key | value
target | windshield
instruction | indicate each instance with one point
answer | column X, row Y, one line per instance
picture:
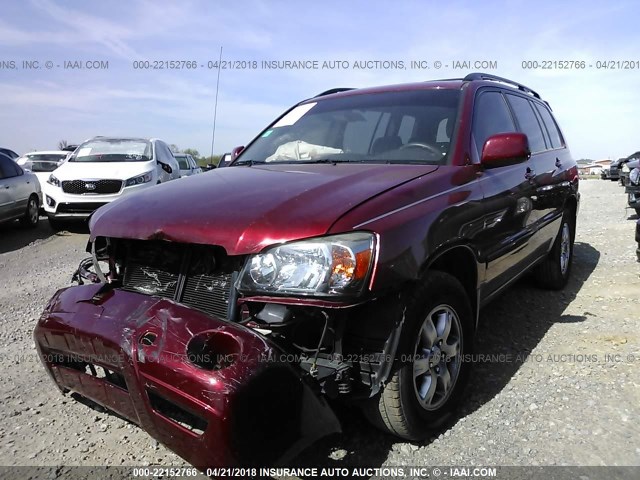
column 182, row 161
column 392, row 127
column 113, row 150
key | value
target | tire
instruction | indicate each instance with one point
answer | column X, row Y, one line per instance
column 56, row 224
column 554, row 271
column 32, row 214
column 409, row 405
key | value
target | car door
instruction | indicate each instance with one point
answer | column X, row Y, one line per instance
column 18, row 185
column 6, row 197
column 504, row 242
column 548, row 176
column 25, row 185
column 196, row 167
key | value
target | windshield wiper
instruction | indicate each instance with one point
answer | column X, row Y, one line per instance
column 249, row 163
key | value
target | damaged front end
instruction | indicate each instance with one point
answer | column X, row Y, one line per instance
column 158, row 336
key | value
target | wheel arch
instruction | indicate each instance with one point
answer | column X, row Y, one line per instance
column 460, row 262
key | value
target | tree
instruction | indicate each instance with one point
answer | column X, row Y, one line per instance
column 62, row 144
column 193, row 152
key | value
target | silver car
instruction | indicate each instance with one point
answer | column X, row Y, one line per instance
column 188, row 165
column 20, row 193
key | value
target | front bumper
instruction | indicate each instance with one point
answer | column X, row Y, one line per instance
column 134, row 354
column 58, row 204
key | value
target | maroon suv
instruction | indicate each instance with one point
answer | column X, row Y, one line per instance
column 344, row 254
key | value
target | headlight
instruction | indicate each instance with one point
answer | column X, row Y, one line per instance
column 634, row 176
column 144, row 178
column 53, row 181
column 625, row 168
column 334, row 265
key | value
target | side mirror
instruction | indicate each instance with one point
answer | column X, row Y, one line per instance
column 505, row 149
column 236, row 151
column 166, row 167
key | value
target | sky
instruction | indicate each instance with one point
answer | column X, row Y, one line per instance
column 43, row 100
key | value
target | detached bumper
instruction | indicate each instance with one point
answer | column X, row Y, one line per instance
column 211, row 391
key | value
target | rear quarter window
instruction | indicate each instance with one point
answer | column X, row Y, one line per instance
column 552, row 127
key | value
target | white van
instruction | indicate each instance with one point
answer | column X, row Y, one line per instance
column 103, row 169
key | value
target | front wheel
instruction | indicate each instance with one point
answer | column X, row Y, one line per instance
column 431, row 369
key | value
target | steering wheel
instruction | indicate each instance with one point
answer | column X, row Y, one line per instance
column 435, row 150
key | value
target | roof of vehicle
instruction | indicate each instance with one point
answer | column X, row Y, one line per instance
column 139, row 139
column 47, row 152
column 449, row 83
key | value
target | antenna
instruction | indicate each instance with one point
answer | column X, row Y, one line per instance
column 215, row 106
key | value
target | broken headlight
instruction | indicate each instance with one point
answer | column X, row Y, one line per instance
column 334, row 265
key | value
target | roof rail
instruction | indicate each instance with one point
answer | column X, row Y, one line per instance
column 333, row 90
column 495, row 78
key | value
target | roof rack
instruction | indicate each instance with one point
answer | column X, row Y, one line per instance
column 495, row 78
column 333, row 90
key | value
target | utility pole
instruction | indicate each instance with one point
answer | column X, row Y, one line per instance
column 215, row 106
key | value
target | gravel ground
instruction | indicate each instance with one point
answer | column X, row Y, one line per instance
column 565, row 392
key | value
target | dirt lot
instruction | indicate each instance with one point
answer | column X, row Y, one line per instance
column 565, row 392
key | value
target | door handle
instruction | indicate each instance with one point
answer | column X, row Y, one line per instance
column 558, row 163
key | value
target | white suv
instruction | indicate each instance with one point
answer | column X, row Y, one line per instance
column 103, row 169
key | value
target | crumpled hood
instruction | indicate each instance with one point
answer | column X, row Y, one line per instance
column 245, row 209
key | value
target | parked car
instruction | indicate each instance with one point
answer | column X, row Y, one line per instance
column 10, row 153
column 225, row 160
column 615, row 167
column 625, row 170
column 633, row 185
column 352, row 245
column 103, row 169
column 43, row 163
column 188, row 165
column 19, row 193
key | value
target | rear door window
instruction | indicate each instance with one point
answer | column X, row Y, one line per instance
column 528, row 122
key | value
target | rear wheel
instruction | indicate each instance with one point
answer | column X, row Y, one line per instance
column 553, row 273
column 431, row 372
column 32, row 215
